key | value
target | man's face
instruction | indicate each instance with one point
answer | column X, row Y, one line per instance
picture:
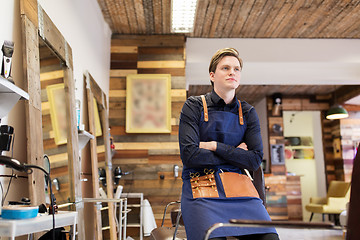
column 227, row 75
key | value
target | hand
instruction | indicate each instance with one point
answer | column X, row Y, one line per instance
column 208, row 145
column 243, row 146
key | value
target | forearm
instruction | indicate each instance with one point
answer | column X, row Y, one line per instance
column 249, row 159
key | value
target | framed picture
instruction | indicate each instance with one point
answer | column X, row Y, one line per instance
column 56, row 98
column 277, row 154
column 148, row 103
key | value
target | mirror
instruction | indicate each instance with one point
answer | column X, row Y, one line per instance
column 40, row 36
column 54, row 120
column 97, row 154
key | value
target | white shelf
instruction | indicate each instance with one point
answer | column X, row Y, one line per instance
column 43, row 222
column 84, row 137
column 9, row 95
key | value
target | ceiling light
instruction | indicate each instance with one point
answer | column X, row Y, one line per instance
column 183, row 15
column 337, row 112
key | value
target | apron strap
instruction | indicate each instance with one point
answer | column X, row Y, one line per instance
column 206, row 115
column 241, row 120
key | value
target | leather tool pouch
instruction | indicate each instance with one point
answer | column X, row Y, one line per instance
column 204, row 186
column 237, row 185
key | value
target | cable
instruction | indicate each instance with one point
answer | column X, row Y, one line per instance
column 52, row 205
column 7, row 191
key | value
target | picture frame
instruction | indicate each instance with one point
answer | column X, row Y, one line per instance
column 277, row 154
column 148, row 103
column 57, row 105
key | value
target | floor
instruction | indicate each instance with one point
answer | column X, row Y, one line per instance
column 309, row 234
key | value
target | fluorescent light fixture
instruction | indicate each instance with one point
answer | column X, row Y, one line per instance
column 183, row 15
column 337, row 112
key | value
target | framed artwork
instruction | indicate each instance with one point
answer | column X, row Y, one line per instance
column 277, row 154
column 148, row 103
column 56, row 98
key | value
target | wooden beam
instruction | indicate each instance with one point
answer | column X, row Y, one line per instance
column 31, row 76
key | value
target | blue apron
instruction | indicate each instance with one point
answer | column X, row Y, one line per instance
column 200, row 214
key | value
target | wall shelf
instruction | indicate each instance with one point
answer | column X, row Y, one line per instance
column 84, row 137
column 9, row 95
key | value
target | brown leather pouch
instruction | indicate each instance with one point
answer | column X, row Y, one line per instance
column 237, row 185
column 204, row 186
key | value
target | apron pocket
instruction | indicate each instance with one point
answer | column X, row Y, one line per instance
column 237, row 185
column 204, row 187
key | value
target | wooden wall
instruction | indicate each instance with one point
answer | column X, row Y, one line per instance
column 150, row 158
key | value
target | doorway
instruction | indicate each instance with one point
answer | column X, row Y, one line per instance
column 304, row 153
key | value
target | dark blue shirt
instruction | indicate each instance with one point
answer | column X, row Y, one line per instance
column 189, row 135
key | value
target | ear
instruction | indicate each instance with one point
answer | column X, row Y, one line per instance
column 212, row 74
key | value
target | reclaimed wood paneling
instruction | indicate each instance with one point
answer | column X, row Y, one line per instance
column 149, row 158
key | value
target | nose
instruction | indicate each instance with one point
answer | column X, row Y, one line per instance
column 231, row 72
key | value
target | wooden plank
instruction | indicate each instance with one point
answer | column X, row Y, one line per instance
column 275, row 8
column 161, row 64
column 31, row 77
column 177, row 95
column 123, row 65
column 217, row 18
column 73, row 148
column 129, row 8
column 278, row 19
column 51, row 75
column 256, row 17
column 178, row 82
column 45, row 108
column 93, row 159
column 30, row 9
column 146, row 145
column 149, row 17
column 209, row 18
column 122, row 73
column 140, row 17
column 157, row 16
column 53, row 36
column 124, row 49
column 118, row 83
column 148, row 40
column 200, row 17
column 224, row 18
column 166, row 16
column 124, row 57
column 108, row 169
column 241, row 17
column 172, row 71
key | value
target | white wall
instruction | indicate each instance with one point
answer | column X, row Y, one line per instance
column 312, row 171
column 84, row 28
column 280, row 61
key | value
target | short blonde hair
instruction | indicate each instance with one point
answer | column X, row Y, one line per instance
column 220, row 54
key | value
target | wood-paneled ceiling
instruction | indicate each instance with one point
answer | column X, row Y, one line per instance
column 240, row 18
column 243, row 19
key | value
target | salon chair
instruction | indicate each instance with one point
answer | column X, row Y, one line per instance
column 176, row 232
column 334, row 202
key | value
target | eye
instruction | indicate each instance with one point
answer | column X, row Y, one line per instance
column 237, row 69
column 226, row 68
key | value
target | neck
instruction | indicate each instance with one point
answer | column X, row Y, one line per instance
column 227, row 96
